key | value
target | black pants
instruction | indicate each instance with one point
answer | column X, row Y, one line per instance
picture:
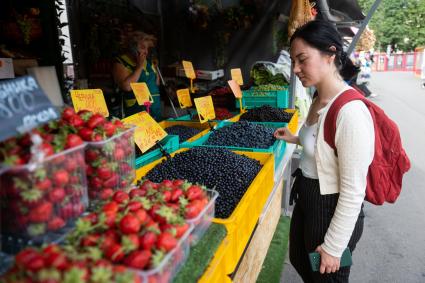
column 310, row 220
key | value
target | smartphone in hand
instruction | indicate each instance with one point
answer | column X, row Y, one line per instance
column 314, row 258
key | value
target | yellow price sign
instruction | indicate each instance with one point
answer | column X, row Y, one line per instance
column 188, row 70
column 236, row 89
column 141, row 92
column 237, row 76
column 183, row 96
column 148, row 131
column 89, row 99
column 205, row 107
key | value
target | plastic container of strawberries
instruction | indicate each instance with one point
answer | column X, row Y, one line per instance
column 39, row 202
column 170, row 264
column 110, row 165
column 204, row 219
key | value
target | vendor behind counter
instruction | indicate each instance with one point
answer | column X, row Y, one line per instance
column 134, row 66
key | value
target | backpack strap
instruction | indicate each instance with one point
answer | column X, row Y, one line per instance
column 332, row 115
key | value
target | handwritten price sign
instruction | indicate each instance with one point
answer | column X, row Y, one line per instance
column 142, row 93
column 148, row 131
column 23, row 106
column 205, row 108
column 188, row 69
column 89, row 99
column 184, row 98
column 237, row 75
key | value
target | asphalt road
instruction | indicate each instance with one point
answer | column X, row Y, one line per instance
column 392, row 248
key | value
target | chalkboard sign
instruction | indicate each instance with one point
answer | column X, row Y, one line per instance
column 23, row 106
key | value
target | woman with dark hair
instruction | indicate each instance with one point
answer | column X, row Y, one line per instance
column 329, row 188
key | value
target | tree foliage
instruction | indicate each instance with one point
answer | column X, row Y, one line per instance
column 399, row 23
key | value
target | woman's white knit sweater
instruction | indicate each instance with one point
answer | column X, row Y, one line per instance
column 346, row 173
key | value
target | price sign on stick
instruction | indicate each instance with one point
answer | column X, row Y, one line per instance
column 205, row 108
column 142, row 93
column 184, row 98
column 236, row 89
column 188, row 70
column 237, row 75
column 23, row 106
column 89, row 99
column 148, row 131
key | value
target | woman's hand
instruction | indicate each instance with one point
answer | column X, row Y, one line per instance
column 328, row 263
column 286, row 135
column 140, row 59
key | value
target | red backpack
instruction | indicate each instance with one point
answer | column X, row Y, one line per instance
column 390, row 161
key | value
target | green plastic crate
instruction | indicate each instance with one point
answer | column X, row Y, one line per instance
column 278, row 148
column 274, row 98
column 170, row 144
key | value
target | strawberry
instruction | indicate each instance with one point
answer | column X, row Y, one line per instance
column 86, row 134
column 138, row 259
column 166, row 196
column 95, row 183
column 66, row 211
column 119, row 153
column 90, row 240
column 178, row 183
column 55, row 258
column 193, row 209
column 61, row 177
column 148, row 240
column 76, row 121
column 91, row 155
column 129, row 224
column 167, row 183
column 142, row 215
column 114, row 253
column 55, row 223
column 91, row 217
column 119, row 123
column 47, row 149
column 29, row 259
column 73, row 140
column 95, row 121
column 106, row 194
column 166, row 242
column 104, row 173
column 120, row 197
column 109, row 238
column 133, row 206
column 111, row 217
column 41, row 213
column 71, row 164
column 77, row 209
column 43, row 185
column 181, row 229
column 133, row 239
column 109, row 129
column 67, row 113
column 110, row 206
column 194, row 192
column 176, row 194
column 137, row 193
column 97, row 138
column 112, row 182
column 56, row 195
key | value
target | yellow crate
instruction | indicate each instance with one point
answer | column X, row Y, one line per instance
column 292, row 125
column 217, row 271
column 242, row 221
column 204, row 127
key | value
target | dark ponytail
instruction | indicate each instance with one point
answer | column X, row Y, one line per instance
column 322, row 35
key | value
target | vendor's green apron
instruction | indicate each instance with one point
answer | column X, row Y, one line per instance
column 147, row 76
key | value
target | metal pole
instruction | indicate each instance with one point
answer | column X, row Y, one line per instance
column 363, row 27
